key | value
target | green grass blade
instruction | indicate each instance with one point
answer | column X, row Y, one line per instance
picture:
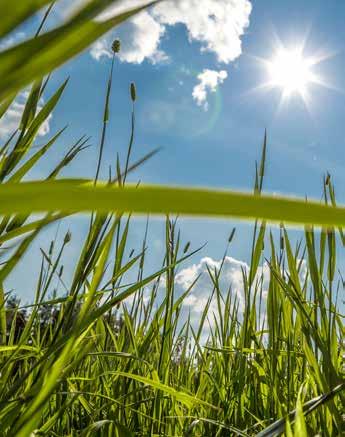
column 72, row 197
column 34, row 58
column 278, row 427
column 15, row 12
column 186, row 399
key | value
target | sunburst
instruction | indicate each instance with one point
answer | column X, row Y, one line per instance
column 290, row 71
column 293, row 72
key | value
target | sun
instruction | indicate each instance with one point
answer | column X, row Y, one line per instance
column 290, row 71
column 293, row 72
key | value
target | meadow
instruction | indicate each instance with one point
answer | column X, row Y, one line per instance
column 95, row 354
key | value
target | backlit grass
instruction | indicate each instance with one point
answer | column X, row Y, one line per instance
column 97, row 355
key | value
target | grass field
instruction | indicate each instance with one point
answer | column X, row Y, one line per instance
column 102, row 356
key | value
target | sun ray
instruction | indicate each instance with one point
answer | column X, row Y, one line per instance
column 292, row 72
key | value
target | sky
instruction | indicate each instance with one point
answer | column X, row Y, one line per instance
column 199, row 73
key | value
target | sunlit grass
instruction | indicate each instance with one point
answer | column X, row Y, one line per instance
column 94, row 356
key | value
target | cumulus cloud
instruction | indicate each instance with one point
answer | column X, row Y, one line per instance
column 217, row 25
column 10, row 121
column 119, row 7
column 140, row 39
column 231, row 277
column 208, row 82
column 230, row 281
column 140, row 35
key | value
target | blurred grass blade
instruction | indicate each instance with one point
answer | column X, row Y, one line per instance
column 72, row 196
column 24, row 142
column 15, row 12
column 36, row 57
column 27, row 166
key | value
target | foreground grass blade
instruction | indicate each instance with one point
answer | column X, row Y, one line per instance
column 16, row 12
column 34, row 58
column 185, row 398
column 73, row 196
column 278, row 427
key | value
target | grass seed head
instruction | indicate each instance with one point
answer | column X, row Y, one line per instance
column 116, row 47
column 67, row 238
column 61, row 271
column 187, row 246
column 133, row 92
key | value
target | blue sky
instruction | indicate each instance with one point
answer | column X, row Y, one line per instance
column 216, row 147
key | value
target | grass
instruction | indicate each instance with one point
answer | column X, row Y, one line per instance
column 96, row 355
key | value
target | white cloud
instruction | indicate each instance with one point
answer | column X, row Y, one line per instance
column 67, row 8
column 208, row 82
column 230, row 281
column 140, row 35
column 230, row 273
column 100, row 49
column 217, row 24
column 119, row 7
column 231, row 276
column 9, row 123
column 140, row 39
